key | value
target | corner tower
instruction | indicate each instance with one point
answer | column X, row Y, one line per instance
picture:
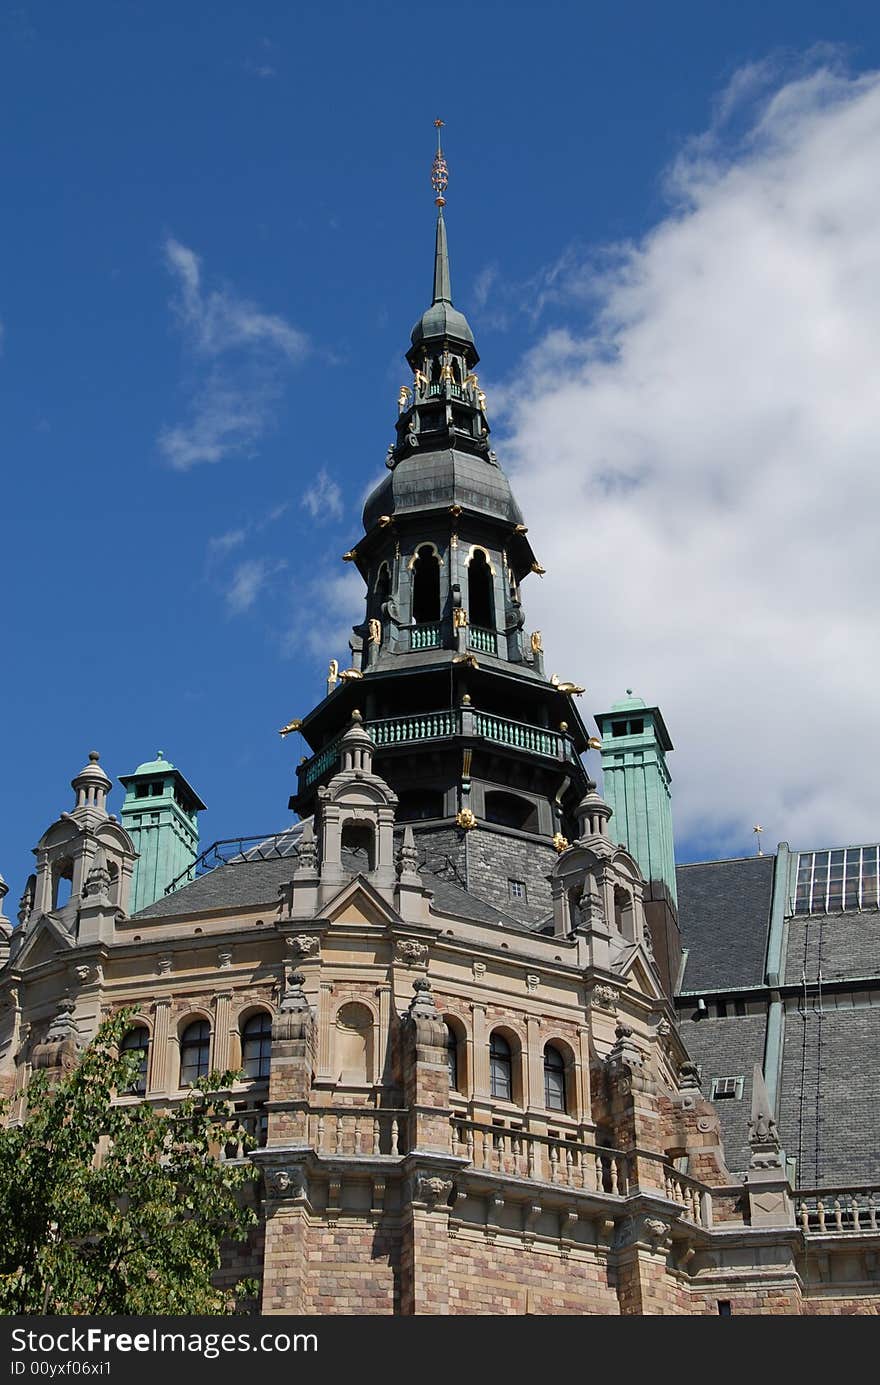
column 480, row 746
column 160, row 813
column 636, row 783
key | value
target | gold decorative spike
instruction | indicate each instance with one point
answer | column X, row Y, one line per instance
column 383, row 521
column 536, row 567
column 521, row 529
column 350, row 556
column 593, row 743
column 439, row 170
column 455, row 511
column 563, row 726
column 291, row 726
column 560, row 843
column 348, row 673
column 466, row 819
column 535, row 641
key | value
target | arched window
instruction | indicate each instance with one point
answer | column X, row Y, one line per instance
column 195, row 1052
column 256, row 1045
column 426, row 586
column 138, row 1041
column 62, row 883
column 554, row 1080
column 624, row 917
column 509, row 810
column 500, row 1068
column 383, row 588
column 481, row 603
column 113, row 872
column 358, row 847
column 452, row 1056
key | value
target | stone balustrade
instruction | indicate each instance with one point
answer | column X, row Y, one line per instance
column 349, row 1131
column 833, row 1211
column 521, row 1154
column 688, row 1194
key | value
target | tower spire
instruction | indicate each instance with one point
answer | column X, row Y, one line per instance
column 439, row 182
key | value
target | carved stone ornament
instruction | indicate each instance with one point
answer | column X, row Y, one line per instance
column 433, row 1189
column 655, row 1228
column 604, row 997
column 664, row 1028
column 560, row 843
column 532, row 982
column 411, row 953
column 479, row 970
column 466, row 819
column 285, row 1183
column 304, row 945
column 163, row 965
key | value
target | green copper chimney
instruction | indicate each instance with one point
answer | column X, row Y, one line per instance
column 636, row 785
column 160, row 812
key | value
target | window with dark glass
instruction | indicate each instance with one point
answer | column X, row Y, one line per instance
column 138, row 1041
column 554, row 1079
column 500, row 1068
column 452, row 1057
column 256, row 1045
column 481, row 606
column 426, row 586
column 195, row 1052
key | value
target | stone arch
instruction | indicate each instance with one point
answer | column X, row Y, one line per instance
column 509, row 1036
column 481, row 589
column 458, row 1055
column 358, row 839
column 354, row 1043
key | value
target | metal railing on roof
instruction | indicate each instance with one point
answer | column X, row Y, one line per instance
column 239, row 851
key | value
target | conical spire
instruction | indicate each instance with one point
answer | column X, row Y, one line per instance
column 442, row 283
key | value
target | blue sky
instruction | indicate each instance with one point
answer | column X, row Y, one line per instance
column 216, row 234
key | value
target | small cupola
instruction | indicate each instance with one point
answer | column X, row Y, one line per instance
column 91, row 787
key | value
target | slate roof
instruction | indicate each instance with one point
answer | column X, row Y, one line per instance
column 253, row 878
column 724, row 914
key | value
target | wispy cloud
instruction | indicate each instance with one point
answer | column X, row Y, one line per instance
column 323, row 499
column 239, row 355
column 248, row 580
column 700, row 440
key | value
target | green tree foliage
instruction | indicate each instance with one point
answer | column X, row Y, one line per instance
column 109, row 1206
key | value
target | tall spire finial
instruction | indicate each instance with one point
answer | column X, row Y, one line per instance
column 439, row 171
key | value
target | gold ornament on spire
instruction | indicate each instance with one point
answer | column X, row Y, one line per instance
column 439, row 172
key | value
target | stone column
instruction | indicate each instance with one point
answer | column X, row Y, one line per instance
column 325, row 1002
column 159, row 1077
column 222, row 1006
column 533, row 1067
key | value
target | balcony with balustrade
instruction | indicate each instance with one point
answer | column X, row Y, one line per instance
column 423, row 727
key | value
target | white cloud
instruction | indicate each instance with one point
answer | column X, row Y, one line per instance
column 323, row 499
column 239, row 353
column 248, row 580
column 325, row 609
column 697, row 460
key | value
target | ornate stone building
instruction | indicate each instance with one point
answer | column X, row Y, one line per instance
column 450, row 988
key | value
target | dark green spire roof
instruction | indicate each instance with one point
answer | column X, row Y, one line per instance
column 442, row 281
column 441, row 321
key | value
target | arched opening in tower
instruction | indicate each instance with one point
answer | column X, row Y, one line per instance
column 481, row 605
column 426, row 587
column 383, row 588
